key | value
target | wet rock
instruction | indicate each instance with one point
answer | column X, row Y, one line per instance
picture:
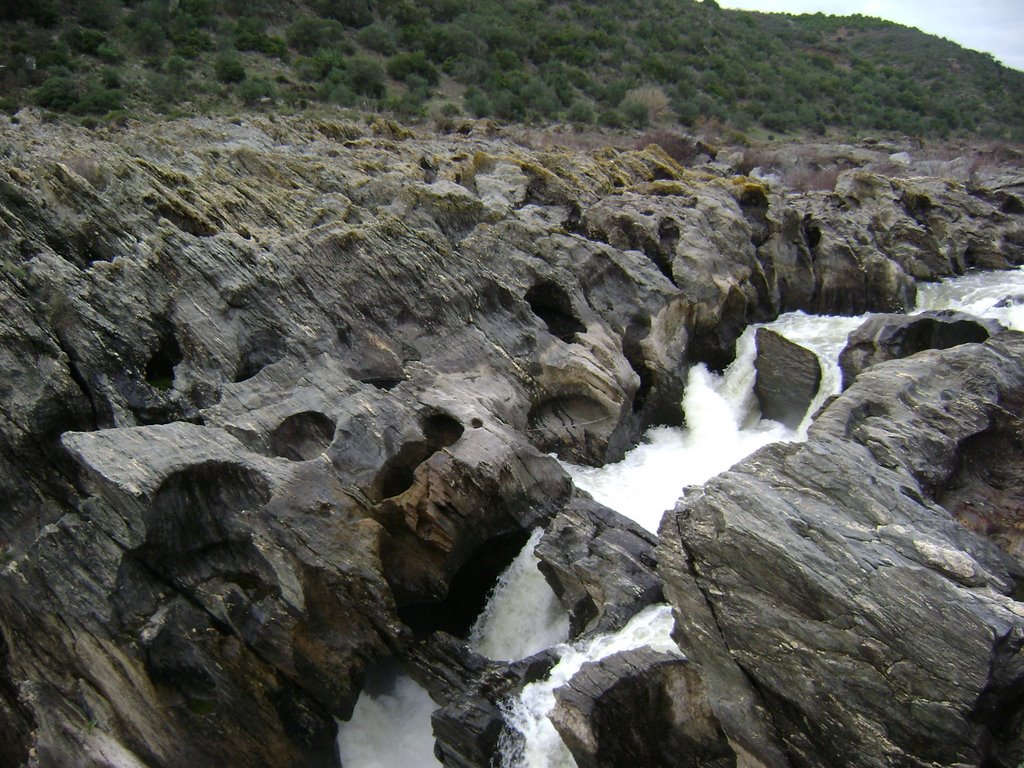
column 306, row 370
column 600, row 565
column 788, row 378
column 470, row 689
column 640, row 707
column 887, row 337
column 816, row 585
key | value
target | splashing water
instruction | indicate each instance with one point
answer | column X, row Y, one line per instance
column 389, row 727
column 995, row 295
column 523, row 616
column 541, row 746
column 723, row 427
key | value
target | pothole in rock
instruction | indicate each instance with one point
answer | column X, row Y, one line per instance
column 440, row 430
column 193, row 528
column 552, row 304
column 258, row 349
column 302, row 436
column 560, row 425
column 159, row 371
column 468, row 591
column 987, row 492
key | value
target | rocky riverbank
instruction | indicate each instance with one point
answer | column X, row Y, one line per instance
column 279, row 396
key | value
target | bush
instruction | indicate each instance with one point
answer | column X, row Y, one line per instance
column 352, row 13
column 477, row 103
column 97, row 99
column 581, row 112
column 58, row 93
column 84, row 40
column 402, row 65
column 366, row 77
column 635, row 113
column 378, row 37
column 256, row 90
column 228, row 68
column 308, row 33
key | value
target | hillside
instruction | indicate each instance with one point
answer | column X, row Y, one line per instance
column 606, row 63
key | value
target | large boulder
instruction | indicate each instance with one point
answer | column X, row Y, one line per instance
column 887, row 337
column 640, row 707
column 838, row 614
column 600, row 565
column 788, row 378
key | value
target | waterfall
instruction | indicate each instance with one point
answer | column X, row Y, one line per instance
column 723, row 427
column 523, row 616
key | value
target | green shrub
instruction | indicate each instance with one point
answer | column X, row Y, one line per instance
column 228, row 68
column 378, row 37
column 110, row 53
column 477, row 103
column 308, row 33
column 581, row 112
column 149, row 37
column 97, row 99
column 366, row 77
column 84, row 40
column 403, row 65
column 351, row 13
column 635, row 113
column 60, row 93
column 256, row 90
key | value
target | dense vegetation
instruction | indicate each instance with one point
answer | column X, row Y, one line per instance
column 607, row 62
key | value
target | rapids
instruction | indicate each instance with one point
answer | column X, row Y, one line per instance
column 723, row 427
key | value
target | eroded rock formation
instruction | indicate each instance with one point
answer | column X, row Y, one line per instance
column 838, row 613
column 269, row 385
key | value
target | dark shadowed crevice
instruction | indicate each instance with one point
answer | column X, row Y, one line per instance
column 17, row 721
column 258, row 349
column 442, row 430
column 468, row 591
column 398, row 473
column 552, row 304
column 159, row 371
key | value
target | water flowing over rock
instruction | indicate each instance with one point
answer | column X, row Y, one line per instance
column 270, row 387
column 837, row 612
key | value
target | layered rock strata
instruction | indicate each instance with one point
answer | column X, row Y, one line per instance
column 270, row 385
column 838, row 612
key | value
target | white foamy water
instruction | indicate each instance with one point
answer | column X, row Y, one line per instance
column 542, row 747
column 523, row 616
column 723, row 425
column 390, row 728
column 995, row 295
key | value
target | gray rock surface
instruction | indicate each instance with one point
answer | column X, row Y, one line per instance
column 269, row 384
column 887, row 337
column 838, row 614
column 788, row 378
column 640, row 707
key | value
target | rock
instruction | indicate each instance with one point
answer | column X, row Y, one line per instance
column 639, row 707
column 270, row 386
column 886, row 337
column 788, row 378
column 600, row 565
column 836, row 611
column 470, row 689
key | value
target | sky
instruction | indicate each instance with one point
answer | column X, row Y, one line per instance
column 993, row 26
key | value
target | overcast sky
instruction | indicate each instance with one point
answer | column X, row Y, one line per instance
column 994, row 26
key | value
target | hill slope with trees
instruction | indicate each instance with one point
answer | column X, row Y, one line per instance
column 609, row 62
